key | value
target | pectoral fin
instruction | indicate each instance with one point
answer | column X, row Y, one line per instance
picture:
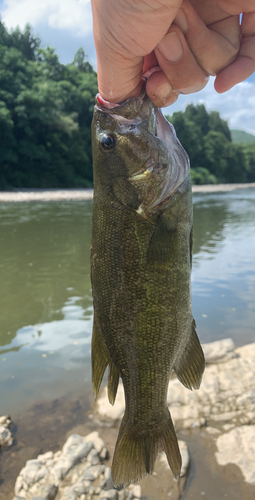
column 190, row 366
column 162, row 240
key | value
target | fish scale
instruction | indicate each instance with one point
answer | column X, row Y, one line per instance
column 140, row 271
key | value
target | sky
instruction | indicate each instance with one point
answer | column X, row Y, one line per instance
column 66, row 25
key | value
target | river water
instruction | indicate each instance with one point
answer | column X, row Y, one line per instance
column 45, row 292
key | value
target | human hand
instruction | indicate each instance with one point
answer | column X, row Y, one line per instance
column 124, row 33
column 133, row 37
column 219, row 16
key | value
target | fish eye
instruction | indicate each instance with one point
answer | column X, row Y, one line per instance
column 108, row 142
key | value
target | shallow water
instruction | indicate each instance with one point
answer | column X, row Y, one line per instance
column 223, row 277
column 46, row 304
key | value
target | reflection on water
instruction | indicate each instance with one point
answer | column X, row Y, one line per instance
column 46, row 304
column 45, row 291
column 223, row 278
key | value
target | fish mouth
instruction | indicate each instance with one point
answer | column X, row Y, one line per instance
column 136, row 101
column 133, row 111
column 129, row 113
column 105, row 104
column 146, row 171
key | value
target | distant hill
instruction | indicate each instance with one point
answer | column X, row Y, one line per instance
column 240, row 136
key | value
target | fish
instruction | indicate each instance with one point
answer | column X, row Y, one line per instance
column 141, row 258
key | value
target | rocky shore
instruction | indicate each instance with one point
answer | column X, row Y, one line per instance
column 224, row 409
column 224, row 405
column 25, row 195
column 77, row 472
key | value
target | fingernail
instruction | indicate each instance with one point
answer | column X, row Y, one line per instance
column 171, row 47
column 181, row 21
column 196, row 87
column 163, row 91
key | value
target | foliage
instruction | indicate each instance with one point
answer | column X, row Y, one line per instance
column 45, row 114
column 249, row 155
column 213, row 156
column 201, row 175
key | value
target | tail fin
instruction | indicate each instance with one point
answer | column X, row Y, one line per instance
column 136, row 450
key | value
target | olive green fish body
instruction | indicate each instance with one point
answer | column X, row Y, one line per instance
column 140, row 267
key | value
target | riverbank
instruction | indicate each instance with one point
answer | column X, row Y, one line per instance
column 216, row 426
column 25, row 195
column 224, row 407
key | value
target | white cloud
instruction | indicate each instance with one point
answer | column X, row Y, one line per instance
column 237, row 105
column 72, row 15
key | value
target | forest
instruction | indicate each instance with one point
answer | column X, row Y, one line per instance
column 45, row 114
column 214, row 158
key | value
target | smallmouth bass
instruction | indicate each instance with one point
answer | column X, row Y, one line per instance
column 141, row 255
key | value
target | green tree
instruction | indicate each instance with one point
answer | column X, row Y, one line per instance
column 236, row 170
column 80, row 61
column 207, row 140
column 215, row 144
column 218, row 125
column 45, row 114
column 201, row 175
column 198, row 115
column 249, row 156
column 188, row 134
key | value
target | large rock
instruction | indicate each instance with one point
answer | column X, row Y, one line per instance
column 44, row 492
column 6, row 438
column 238, row 447
column 74, row 473
column 219, row 351
column 105, row 409
column 227, row 392
column 109, row 495
column 74, row 450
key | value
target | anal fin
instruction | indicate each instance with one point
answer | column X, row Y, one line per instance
column 99, row 357
column 100, row 360
column 113, row 382
column 190, row 366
